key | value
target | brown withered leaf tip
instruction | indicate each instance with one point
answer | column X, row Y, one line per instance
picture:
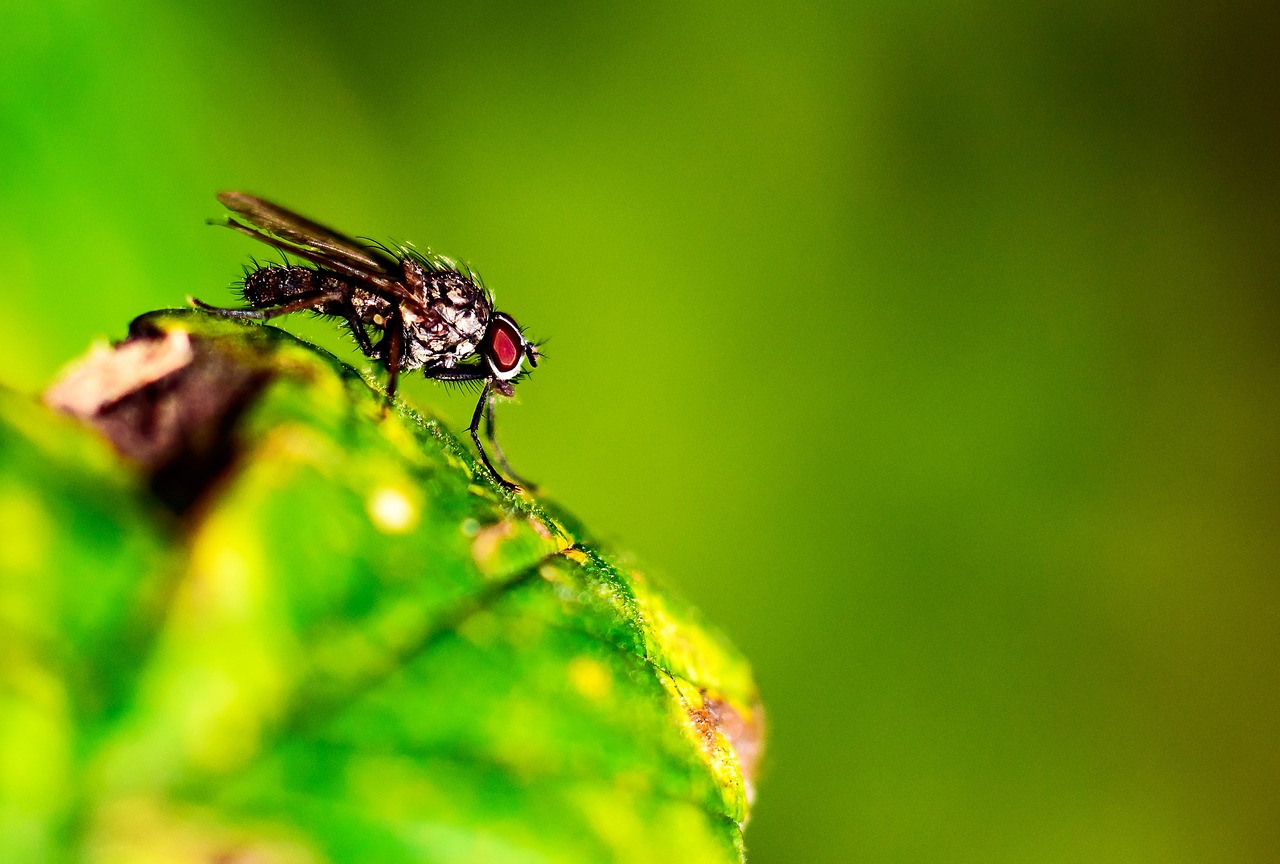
column 165, row 401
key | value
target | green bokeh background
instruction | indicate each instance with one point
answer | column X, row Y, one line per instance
column 931, row 348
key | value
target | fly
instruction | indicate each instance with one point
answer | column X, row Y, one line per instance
column 427, row 311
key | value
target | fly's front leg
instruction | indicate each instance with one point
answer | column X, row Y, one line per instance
column 490, row 434
column 474, row 429
column 474, row 373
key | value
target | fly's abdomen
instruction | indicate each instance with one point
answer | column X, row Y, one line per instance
column 273, row 285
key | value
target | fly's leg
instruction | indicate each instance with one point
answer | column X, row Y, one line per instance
column 393, row 354
column 474, row 429
column 490, row 435
column 298, row 305
column 474, row 373
column 310, row 301
column 357, row 329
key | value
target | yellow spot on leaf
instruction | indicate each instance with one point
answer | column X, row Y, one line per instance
column 391, row 510
column 27, row 532
column 577, row 556
column 222, row 579
column 143, row 830
column 590, row 678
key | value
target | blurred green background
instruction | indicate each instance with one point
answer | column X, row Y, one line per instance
column 930, row 347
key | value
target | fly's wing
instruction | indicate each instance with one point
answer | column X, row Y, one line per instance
column 291, row 232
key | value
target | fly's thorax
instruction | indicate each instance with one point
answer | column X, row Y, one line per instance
column 463, row 324
column 440, row 333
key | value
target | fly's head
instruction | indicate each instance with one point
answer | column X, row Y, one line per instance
column 505, row 349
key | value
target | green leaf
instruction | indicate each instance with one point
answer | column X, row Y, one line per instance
column 285, row 627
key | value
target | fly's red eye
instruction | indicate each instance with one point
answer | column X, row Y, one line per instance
column 506, row 347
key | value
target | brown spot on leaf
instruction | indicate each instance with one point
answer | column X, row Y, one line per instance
column 745, row 734
column 166, row 400
column 106, row 375
column 703, row 720
column 726, row 735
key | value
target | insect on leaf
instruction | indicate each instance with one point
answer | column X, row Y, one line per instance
column 275, row 625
